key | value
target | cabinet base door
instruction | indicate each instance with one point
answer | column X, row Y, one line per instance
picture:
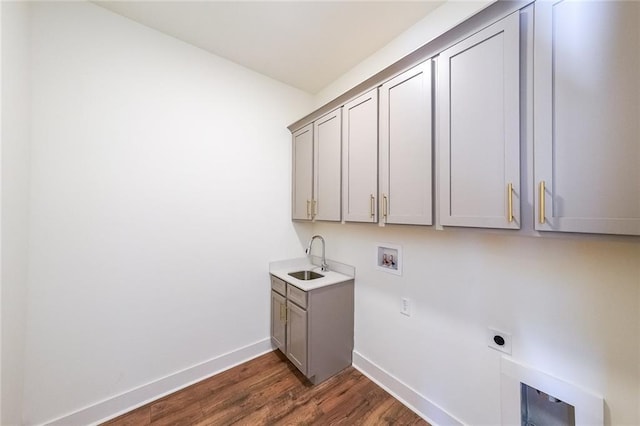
column 278, row 320
column 297, row 336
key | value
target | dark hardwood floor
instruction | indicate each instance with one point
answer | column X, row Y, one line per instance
column 269, row 391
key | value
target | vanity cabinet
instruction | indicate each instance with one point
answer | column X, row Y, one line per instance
column 360, row 158
column 405, row 166
column 315, row 329
column 587, row 110
column 479, row 128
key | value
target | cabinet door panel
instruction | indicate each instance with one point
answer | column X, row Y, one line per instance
column 302, row 179
column 327, row 166
column 278, row 320
column 479, row 131
column 297, row 336
column 360, row 158
column 587, row 116
column 405, row 147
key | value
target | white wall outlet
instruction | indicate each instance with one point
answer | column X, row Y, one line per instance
column 499, row 340
column 405, row 307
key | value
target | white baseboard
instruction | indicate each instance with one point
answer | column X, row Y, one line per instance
column 127, row 401
column 422, row 406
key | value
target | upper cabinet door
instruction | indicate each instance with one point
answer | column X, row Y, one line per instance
column 302, row 180
column 405, row 165
column 360, row 158
column 587, row 116
column 327, row 167
column 479, row 128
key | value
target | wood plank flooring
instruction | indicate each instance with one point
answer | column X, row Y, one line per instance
column 270, row 391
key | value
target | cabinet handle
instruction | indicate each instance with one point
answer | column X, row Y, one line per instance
column 314, row 209
column 372, row 205
column 384, row 205
column 308, row 210
column 510, row 198
column 542, row 196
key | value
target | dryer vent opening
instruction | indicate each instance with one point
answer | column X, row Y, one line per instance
column 541, row 409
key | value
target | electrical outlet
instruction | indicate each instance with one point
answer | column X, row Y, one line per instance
column 405, row 308
column 499, row 340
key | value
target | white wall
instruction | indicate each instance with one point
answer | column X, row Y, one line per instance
column 159, row 192
column 14, row 188
column 571, row 304
column 434, row 24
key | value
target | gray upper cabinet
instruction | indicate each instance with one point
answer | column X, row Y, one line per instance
column 568, row 84
column 302, row 179
column 587, row 117
column 479, row 128
column 327, row 167
column 316, row 182
column 360, row 158
column 405, row 164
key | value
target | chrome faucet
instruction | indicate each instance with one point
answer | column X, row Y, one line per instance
column 323, row 265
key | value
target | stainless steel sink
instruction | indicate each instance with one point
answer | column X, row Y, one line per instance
column 306, row 275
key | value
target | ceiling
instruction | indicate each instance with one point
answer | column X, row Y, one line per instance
column 306, row 44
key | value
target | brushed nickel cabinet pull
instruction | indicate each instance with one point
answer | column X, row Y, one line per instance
column 308, row 209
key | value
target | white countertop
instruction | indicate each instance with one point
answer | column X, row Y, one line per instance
column 282, row 268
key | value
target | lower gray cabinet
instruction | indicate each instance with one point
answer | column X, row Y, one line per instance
column 278, row 320
column 317, row 326
column 297, row 336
